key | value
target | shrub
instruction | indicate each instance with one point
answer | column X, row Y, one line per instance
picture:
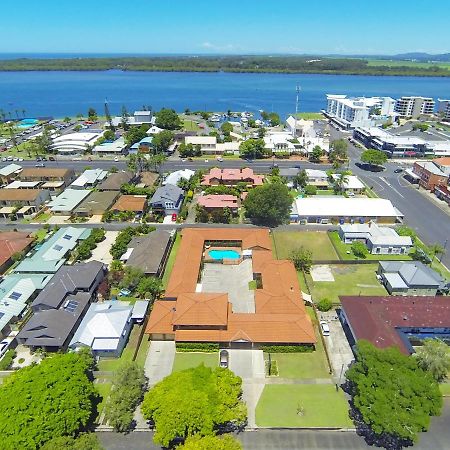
column 359, row 249
column 197, row 347
column 324, row 305
column 302, row 348
column 7, row 360
column 310, row 190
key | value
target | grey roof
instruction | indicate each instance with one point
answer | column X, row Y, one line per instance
column 148, row 251
column 53, row 327
column 168, row 192
column 289, row 171
column 115, row 181
column 68, row 280
column 97, row 202
column 140, row 309
column 413, row 273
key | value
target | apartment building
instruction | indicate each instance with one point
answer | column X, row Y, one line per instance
column 430, row 174
column 444, row 108
column 414, row 106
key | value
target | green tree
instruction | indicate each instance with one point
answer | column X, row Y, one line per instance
column 338, row 151
column 84, row 441
column 436, row 250
column 391, row 394
column 226, row 128
column 324, row 305
column 92, row 114
column 150, row 287
column 194, row 401
column 359, row 249
column 302, row 259
column 420, row 126
column 131, row 277
column 52, row 399
column 168, row 119
column 66, row 119
column 162, row 141
column 373, row 157
column 156, row 161
column 127, row 391
column 310, row 189
column 136, row 134
column 301, row 179
column 269, row 204
column 252, row 148
column 197, row 442
column 434, row 357
column 316, row 154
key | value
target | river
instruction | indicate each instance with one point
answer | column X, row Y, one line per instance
column 68, row 93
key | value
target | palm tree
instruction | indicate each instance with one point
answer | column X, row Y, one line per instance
column 436, row 249
column 340, row 181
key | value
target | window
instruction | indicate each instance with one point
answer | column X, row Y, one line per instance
column 15, row 295
column 57, row 247
column 67, row 237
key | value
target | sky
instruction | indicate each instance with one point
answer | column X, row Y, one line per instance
column 229, row 27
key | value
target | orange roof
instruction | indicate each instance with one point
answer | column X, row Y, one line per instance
column 280, row 314
column 12, row 242
column 218, row 201
column 233, row 175
column 445, row 161
column 130, row 203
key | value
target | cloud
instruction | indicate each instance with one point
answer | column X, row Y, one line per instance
column 220, row 48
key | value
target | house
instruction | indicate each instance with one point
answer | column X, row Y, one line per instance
column 289, row 172
column 379, row 240
column 134, row 203
column 150, row 252
column 210, row 146
column 318, row 178
column 154, row 130
column 61, row 305
column 443, row 164
column 175, row 177
column 218, row 202
column 104, row 329
column 66, row 202
column 231, row 177
column 137, row 119
column 53, row 252
column 17, row 184
column 145, row 145
column 9, row 173
column 341, row 210
column 147, row 179
column 74, row 143
column 395, row 321
column 351, row 183
column 190, row 312
column 16, row 291
column 12, row 198
column 139, row 312
column 115, row 181
column 443, row 193
column 299, row 127
column 11, row 244
column 96, row 203
column 279, row 142
column 409, row 278
column 116, row 147
column 47, row 174
column 167, row 199
column 89, row 178
column 430, row 174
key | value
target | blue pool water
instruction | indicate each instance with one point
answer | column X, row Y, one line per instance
column 27, row 123
column 223, row 254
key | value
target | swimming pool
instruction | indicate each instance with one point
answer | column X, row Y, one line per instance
column 27, row 123
column 224, row 254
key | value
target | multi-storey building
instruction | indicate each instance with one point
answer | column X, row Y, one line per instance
column 414, row 106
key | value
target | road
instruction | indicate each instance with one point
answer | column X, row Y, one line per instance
column 437, row 438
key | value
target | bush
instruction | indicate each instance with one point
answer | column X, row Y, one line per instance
column 310, row 190
column 197, row 347
column 359, row 249
column 7, row 360
column 324, row 305
column 302, row 348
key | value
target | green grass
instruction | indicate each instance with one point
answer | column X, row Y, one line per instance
column 40, row 218
column 322, row 406
column 103, row 389
column 415, row 64
column 40, row 234
column 310, row 116
column 252, row 285
column 186, row 360
column 143, row 350
column 190, row 125
column 342, row 249
column 171, row 260
column 445, row 389
column 315, row 241
column 354, row 279
column 112, row 364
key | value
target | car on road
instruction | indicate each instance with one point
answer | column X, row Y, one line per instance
column 206, row 160
column 51, row 158
column 183, row 159
column 224, row 359
column 116, row 159
column 40, row 165
column 399, row 170
column 219, row 158
column 325, row 327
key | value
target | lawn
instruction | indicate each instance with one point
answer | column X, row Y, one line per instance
column 320, row 404
column 40, row 235
column 190, row 125
column 315, row 241
column 310, row 116
column 342, row 250
column 103, row 389
column 186, row 360
column 415, row 64
column 354, row 279
column 171, row 260
column 40, row 218
column 112, row 364
column 445, row 389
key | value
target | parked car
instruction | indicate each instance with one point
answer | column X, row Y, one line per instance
column 39, row 165
column 325, row 328
column 51, row 158
column 174, row 217
column 399, row 170
column 224, row 359
column 116, row 158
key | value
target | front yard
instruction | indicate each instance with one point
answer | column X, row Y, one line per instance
column 171, row 260
column 302, row 405
column 186, row 360
column 351, row 279
column 315, row 241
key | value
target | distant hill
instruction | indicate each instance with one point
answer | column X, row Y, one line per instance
column 425, row 57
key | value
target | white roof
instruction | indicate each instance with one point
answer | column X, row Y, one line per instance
column 90, row 177
column 139, row 309
column 353, row 182
column 127, row 254
column 315, row 173
column 175, row 177
column 110, row 147
column 335, row 206
column 23, row 184
column 202, row 140
column 10, row 169
column 154, row 130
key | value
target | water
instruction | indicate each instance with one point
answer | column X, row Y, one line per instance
column 68, row 93
column 223, row 254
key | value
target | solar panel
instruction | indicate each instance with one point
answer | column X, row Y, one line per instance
column 58, row 248
column 71, row 306
column 15, row 295
column 68, row 237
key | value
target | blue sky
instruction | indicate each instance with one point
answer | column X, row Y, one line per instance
column 244, row 26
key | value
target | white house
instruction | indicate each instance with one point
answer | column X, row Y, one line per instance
column 138, row 118
column 175, row 177
column 75, row 142
column 116, row 147
column 299, row 127
column 279, row 142
column 89, row 178
column 316, row 177
column 210, row 146
column 351, row 183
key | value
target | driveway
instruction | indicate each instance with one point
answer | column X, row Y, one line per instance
column 101, row 252
column 159, row 362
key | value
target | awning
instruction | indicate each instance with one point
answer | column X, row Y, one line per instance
column 411, row 174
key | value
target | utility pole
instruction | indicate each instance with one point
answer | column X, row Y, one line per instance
column 297, row 97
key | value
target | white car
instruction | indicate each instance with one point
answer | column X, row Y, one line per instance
column 206, row 161
column 325, row 328
column 116, row 159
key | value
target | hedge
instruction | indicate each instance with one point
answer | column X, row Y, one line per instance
column 288, row 348
column 7, row 360
column 197, row 347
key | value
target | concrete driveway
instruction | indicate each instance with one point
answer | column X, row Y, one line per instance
column 101, row 252
column 159, row 362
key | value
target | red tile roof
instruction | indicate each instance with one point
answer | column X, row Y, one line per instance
column 376, row 319
column 218, row 201
column 233, row 175
column 12, row 242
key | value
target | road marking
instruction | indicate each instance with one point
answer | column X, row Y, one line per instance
column 392, row 187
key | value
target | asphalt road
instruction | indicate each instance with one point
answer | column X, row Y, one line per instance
column 437, row 438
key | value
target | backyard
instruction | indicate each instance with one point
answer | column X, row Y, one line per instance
column 302, row 405
column 171, row 260
column 315, row 241
column 351, row 279
column 103, row 389
column 186, row 360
